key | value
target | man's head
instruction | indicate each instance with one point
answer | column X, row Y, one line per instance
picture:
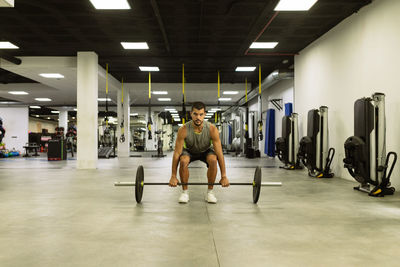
column 198, row 112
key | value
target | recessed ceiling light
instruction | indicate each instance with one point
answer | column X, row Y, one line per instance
column 7, row 45
column 43, row 99
column 294, row 5
column 207, row 117
column 75, row 109
column 144, row 68
column 230, row 92
column 35, row 107
column 160, row 92
column 224, row 99
column 134, row 114
column 170, row 109
column 134, row 45
column 8, row 102
column 37, row 116
column 48, row 118
column 55, row 111
column 73, row 118
column 180, row 124
column 263, row 45
column 18, row 93
column 173, row 112
column 52, row 75
column 175, row 115
column 216, row 109
column 103, row 99
column 245, row 68
column 107, row 4
column 7, row 3
column 164, row 99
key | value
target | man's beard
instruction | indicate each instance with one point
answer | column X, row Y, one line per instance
column 198, row 122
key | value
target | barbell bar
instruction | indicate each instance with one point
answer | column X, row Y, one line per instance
column 139, row 184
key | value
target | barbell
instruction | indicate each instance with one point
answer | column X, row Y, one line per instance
column 139, row 184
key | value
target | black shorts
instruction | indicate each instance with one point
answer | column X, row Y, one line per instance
column 202, row 156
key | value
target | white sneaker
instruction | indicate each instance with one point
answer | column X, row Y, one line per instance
column 211, row 197
column 184, row 198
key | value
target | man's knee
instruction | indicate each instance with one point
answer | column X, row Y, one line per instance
column 184, row 162
column 212, row 161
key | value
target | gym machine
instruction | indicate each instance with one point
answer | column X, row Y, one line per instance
column 365, row 152
column 287, row 146
column 314, row 151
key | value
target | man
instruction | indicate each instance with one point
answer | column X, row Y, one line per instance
column 198, row 140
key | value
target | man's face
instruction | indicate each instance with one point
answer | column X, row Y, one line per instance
column 198, row 116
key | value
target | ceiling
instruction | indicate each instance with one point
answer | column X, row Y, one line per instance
column 205, row 35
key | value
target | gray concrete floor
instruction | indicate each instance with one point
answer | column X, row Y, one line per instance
column 55, row 215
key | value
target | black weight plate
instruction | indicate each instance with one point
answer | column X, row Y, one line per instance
column 257, row 184
column 139, row 184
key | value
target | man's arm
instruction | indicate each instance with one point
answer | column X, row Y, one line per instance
column 178, row 149
column 220, row 155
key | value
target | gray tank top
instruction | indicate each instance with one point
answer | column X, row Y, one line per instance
column 197, row 143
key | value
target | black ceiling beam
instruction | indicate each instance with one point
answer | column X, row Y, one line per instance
column 160, row 22
column 10, row 58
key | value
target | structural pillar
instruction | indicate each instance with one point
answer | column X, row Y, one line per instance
column 87, row 109
column 123, row 117
column 63, row 120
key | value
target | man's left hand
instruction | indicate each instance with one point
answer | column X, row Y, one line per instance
column 224, row 181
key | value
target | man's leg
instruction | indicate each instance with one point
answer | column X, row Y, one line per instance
column 212, row 169
column 184, row 170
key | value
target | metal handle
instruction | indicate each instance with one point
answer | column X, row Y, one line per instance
column 134, row 184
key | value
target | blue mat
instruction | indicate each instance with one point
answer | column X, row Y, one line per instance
column 269, row 148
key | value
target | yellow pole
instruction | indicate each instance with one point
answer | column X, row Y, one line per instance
column 149, row 85
column 246, row 89
column 259, row 79
column 219, row 86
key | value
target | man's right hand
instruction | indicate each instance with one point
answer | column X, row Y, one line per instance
column 173, row 181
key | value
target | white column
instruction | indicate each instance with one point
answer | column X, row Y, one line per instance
column 87, row 93
column 123, row 115
column 63, row 120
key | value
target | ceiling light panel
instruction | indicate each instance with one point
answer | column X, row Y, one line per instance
column 230, row 92
column 159, row 92
column 224, row 99
column 103, row 99
column 294, row 5
column 7, row 45
column 18, row 93
column 263, row 45
column 35, row 107
column 52, row 75
column 148, row 68
column 245, row 68
column 107, row 4
column 164, row 99
column 43, row 99
column 134, row 45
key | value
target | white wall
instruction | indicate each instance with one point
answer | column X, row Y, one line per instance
column 36, row 125
column 281, row 90
column 15, row 122
column 356, row 58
